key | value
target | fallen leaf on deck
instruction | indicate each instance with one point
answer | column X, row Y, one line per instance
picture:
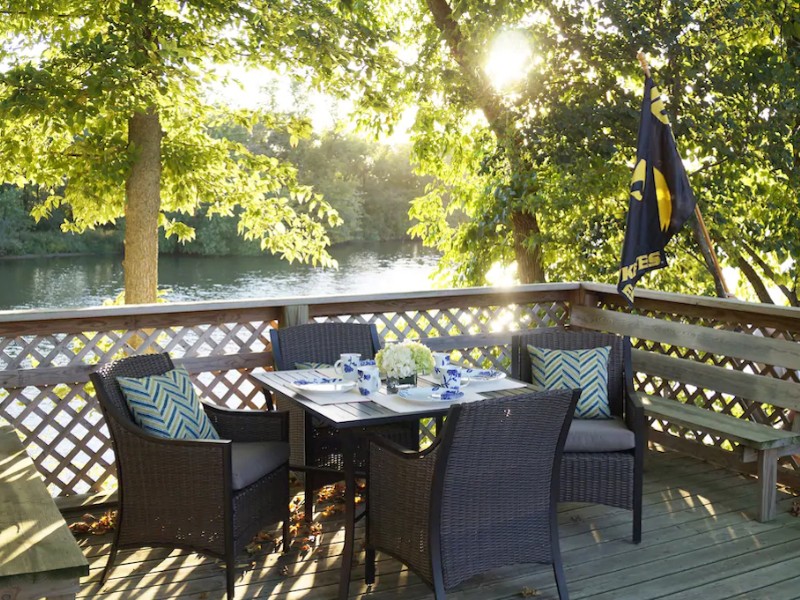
column 529, row 592
column 93, row 525
column 252, row 547
column 79, row 527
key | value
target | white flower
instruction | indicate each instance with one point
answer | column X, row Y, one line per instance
column 404, row 359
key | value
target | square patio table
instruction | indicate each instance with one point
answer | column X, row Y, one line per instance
column 353, row 418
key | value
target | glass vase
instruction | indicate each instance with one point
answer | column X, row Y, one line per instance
column 395, row 384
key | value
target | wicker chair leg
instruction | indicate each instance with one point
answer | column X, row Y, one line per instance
column 637, row 519
column 638, row 489
column 561, row 582
column 112, row 557
column 286, row 523
column 230, row 576
column 438, row 585
column 309, row 499
column 369, row 565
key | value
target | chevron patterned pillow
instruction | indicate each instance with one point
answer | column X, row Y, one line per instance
column 586, row 369
column 312, row 365
column 167, row 406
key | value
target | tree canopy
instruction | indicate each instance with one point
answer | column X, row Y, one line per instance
column 529, row 161
column 103, row 104
column 539, row 169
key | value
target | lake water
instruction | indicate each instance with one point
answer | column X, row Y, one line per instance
column 80, row 281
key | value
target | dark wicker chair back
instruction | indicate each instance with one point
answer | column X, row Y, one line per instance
column 322, row 343
column 558, row 338
column 109, row 394
column 483, row 497
column 321, row 445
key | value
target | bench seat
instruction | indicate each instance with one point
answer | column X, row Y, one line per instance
column 759, row 442
column 39, row 557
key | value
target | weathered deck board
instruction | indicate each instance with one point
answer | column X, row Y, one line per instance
column 699, row 540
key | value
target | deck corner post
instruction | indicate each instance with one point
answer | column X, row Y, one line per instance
column 294, row 314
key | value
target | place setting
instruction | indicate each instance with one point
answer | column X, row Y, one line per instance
column 350, row 379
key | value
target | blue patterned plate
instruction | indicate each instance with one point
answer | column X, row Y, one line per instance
column 478, row 375
column 323, row 384
column 430, row 394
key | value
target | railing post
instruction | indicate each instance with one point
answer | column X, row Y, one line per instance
column 294, row 314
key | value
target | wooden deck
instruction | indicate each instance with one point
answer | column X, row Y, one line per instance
column 699, row 541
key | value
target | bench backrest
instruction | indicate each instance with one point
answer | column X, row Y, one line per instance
column 705, row 341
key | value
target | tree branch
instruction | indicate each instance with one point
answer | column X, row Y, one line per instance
column 754, row 279
column 707, row 166
column 477, row 81
column 790, row 294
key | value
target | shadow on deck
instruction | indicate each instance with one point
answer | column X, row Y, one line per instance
column 699, row 541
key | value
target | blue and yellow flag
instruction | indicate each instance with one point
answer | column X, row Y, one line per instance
column 660, row 200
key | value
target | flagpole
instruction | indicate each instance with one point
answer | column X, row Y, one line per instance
column 704, row 238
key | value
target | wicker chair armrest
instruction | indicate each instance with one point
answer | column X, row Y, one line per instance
column 182, row 469
column 396, row 449
column 249, row 425
column 400, row 483
column 634, row 416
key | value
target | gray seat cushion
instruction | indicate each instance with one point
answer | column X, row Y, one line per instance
column 250, row 461
column 599, row 435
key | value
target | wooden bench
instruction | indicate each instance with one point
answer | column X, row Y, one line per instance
column 755, row 442
column 761, row 443
column 38, row 555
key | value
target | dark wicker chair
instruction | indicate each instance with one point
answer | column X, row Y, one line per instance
column 483, row 496
column 322, row 458
column 599, row 477
column 180, row 493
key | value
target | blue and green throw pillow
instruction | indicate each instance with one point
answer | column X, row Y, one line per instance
column 586, row 369
column 167, row 406
column 312, row 365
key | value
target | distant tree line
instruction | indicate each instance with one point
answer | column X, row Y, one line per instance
column 370, row 185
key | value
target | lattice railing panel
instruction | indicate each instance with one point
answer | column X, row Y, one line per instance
column 478, row 320
column 62, row 425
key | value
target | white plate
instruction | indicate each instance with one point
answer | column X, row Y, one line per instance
column 429, row 394
column 478, row 375
column 323, row 384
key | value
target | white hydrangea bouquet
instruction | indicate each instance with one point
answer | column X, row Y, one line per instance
column 404, row 359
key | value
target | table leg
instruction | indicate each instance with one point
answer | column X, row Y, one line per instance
column 348, row 450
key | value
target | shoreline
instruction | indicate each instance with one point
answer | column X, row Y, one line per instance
column 56, row 255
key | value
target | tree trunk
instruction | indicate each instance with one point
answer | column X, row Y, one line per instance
column 790, row 294
column 501, row 122
column 530, row 268
column 143, row 201
column 755, row 281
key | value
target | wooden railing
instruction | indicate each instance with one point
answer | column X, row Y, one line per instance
column 46, row 356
